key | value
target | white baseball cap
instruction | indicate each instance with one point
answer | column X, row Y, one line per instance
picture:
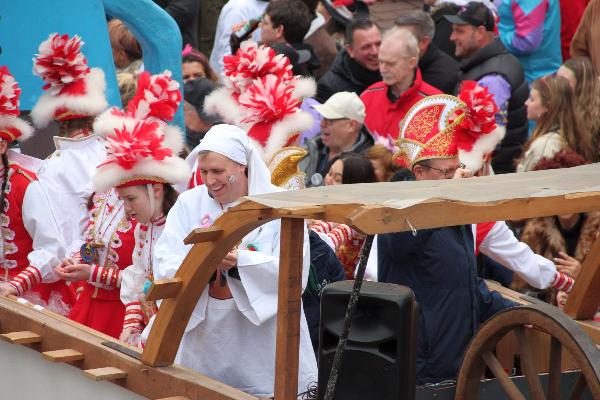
column 343, row 105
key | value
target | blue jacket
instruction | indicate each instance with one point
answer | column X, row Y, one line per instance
column 325, row 268
column 530, row 29
column 439, row 266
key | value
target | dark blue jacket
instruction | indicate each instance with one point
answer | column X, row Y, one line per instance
column 439, row 266
column 325, row 268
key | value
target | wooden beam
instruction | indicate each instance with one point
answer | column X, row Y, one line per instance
column 201, row 235
column 174, row 398
column 64, row 355
column 581, row 304
column 438, row 212
column 164, row 289
column 288, row 309
column 22, row 337
column 315, row 212
column 105, row 374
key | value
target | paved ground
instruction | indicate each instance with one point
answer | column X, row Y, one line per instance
column 384, row 13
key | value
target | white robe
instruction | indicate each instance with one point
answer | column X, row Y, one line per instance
column 66, row 179
column 233, row 340
column 501, row 245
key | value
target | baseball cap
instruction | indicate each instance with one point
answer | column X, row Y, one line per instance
column 474, row 13
column 342, row 105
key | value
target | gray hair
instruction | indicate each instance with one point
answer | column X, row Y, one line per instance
column 408, row 40
column 423, row 23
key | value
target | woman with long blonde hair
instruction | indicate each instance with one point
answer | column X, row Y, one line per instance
column 579, row 71
column 551, row 105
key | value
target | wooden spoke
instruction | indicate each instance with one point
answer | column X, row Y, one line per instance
column 508, row 386
column 536, row 392
column 578, row 386
column 554, row 370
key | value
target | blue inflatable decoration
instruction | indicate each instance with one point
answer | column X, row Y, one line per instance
column 24, row 24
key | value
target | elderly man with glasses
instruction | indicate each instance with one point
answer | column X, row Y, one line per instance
column 342, row 130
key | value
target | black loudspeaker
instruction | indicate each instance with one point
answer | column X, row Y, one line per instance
column 379, row 361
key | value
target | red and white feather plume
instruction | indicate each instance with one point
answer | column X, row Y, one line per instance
column 11, row 126
column 157, row 96
column 262, row 96
column 73, row 89
column 142, row 148
column 138, row 154
column 60, row 61
column 476, row 131
column 126, row 147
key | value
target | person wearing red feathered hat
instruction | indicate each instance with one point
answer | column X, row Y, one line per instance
column 30, row 244
column 142, row 164
column 262, row 96
column 444, row 137
column 142, row 151
column 74, row 96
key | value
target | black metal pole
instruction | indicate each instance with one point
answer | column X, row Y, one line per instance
column 341, row 347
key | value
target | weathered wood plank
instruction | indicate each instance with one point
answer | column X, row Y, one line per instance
column 21, row 337
column 105, row 374
column 164, row 289
column 203, row 235
column 64, row 355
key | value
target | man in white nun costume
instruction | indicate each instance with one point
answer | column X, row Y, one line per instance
column 231, row 334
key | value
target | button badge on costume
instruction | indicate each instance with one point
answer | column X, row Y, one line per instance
column 89, row 252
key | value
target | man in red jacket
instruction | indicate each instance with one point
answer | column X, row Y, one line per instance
column 388, row 101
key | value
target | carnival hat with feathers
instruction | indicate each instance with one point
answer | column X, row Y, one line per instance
column 262, row 97
column 157, row 98
column 11, row 126
column 73, row 89
column 142, row 148
column 444, row 126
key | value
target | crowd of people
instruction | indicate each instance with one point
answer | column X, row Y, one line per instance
column 295, row 94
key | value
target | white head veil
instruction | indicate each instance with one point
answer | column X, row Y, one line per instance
column 233, row 143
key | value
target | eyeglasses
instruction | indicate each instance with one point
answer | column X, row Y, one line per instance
column 448, row 172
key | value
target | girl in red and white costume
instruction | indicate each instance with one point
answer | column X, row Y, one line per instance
column 30, row 245
column 109, row 239
column 140, row 145
column 141, row 165
column 97, row 264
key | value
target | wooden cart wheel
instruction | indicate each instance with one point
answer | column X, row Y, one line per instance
column 565, row 334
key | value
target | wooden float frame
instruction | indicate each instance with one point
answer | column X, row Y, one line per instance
column 151, row 372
